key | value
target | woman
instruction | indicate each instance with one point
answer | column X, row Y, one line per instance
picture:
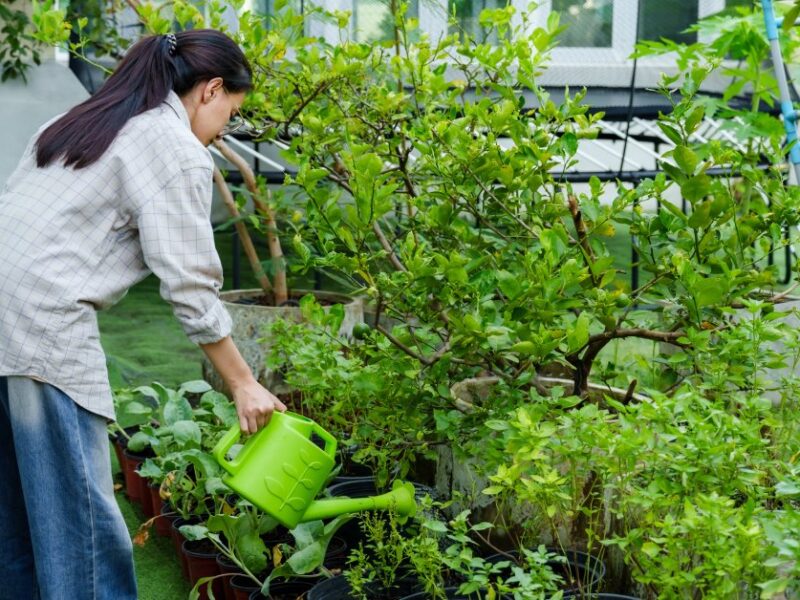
column 117, row 188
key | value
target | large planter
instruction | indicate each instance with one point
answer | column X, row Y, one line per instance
column 458, row 474
column 251, row 338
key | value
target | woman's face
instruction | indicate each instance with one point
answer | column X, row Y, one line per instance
column 213, row 108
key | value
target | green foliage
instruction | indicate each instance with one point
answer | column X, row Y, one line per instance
column 18, row 48
column 369, row 396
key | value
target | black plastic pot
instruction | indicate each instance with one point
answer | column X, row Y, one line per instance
column 337, row 588
column 336, row 554
column 452, row 594
column 363, row 488
column 579, row 596
column 350, row 470
column 285, row 590
column 582, row 573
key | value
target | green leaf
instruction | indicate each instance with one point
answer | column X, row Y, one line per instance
column 437, row 526
column 194, row 532
column 701, row 215
column 137, row 408
column 186, row 432
column 790, row 17
column 578, row 336
column 509, row 284
column 197, row 386
column 651, row 549
column 252, row 550
column 177, row 409
column 671, row 132
column 686, row 159
column 696, row 188
column 139, row 441
column 710, row 291
column 569, row 142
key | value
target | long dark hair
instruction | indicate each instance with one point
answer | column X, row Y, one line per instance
column 142, row 81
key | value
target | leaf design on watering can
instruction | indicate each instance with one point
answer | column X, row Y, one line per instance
column 275, row 487
column 298, row 504
column 289, row 469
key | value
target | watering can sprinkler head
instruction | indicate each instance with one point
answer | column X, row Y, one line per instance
column 283, row 467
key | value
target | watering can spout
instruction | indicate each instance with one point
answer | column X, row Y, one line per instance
column 400, row 499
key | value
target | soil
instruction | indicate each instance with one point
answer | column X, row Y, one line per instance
column 265, row 300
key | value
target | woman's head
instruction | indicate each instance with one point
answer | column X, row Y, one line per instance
column 203, row 66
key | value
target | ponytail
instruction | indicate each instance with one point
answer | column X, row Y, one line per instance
column 151, row 68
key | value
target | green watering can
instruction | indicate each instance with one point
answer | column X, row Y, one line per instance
column 283, row 467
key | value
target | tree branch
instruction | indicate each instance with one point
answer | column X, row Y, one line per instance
column 274, row 243
column 583, row 239
column 244, row 235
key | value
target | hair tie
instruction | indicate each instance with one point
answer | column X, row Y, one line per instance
column 172, row 40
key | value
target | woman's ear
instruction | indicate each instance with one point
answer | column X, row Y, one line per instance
column 212, row 88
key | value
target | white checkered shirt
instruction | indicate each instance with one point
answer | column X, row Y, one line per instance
column 73, row 241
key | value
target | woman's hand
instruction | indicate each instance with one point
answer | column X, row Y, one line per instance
column 254, row 405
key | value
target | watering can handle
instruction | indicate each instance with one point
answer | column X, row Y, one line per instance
column 222, row 447
column 330, row 441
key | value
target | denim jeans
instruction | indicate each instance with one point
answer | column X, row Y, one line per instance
column 62, row 535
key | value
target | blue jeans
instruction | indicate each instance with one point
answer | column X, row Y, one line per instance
column 62, row 535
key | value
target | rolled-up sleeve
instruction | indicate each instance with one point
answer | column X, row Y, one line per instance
column 178, row 246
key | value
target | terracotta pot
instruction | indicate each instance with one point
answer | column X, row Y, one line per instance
column 164, row 523
column 133, row 481
column 146, row 496
column 242, row 587
column 116, row 444
column 177, row 540
column 225, row 565
column 156, row 507
column 201, row 560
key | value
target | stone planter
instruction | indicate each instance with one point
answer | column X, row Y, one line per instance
column 249, row 331
column 457, row 474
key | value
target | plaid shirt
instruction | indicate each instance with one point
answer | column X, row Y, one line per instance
column 73, row 241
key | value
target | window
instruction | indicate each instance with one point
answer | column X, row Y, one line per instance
column 466, row 14
column 372, row 20
column 589, row 23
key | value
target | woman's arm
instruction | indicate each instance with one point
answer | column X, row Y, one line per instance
column 254, row 403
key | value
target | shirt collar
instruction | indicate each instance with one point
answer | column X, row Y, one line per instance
column 174, row 102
